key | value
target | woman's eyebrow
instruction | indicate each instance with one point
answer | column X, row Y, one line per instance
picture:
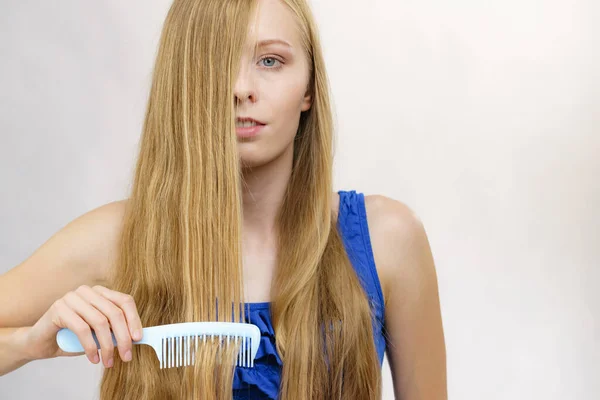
column 268, row 42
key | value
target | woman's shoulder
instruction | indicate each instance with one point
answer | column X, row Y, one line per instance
column 80, row 253
column 93, row 239
column 108, row 225
column 397, row 237
column 98, row 233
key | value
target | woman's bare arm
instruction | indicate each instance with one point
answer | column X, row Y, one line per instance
column 13, row 350
column 416, row 348
column 81, row 253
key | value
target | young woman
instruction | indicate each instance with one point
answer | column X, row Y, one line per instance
column 232, row 204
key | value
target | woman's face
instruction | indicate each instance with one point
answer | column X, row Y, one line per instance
column 272, row 84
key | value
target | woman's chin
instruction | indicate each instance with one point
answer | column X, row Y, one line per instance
column 252, row 159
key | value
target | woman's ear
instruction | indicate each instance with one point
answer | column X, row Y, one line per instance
column 307, row 102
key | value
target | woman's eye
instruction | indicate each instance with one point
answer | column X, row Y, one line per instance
column 270, row 61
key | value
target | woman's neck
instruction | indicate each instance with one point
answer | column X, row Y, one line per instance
column 263, row 191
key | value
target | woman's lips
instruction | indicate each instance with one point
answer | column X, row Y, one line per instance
column 250, row 131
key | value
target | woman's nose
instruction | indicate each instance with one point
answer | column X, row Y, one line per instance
column 245, row 87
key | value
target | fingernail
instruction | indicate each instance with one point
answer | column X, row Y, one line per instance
column 110, row 363
column 137, row 335
column 96, row 359
column 127, row 355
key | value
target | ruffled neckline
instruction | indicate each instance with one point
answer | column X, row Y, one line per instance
column 259, row 305
column 262, row 381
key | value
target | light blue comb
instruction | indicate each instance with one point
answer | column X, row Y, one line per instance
column 175, row 345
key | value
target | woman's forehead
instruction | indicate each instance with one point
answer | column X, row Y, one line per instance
column 273, row 25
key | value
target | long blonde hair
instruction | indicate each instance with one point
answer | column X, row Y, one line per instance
column 180, row 249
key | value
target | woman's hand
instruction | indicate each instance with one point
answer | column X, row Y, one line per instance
column 83, row 310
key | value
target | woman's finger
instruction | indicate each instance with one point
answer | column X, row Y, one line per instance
column 71, row 320
column 127, row 304
column 116, row 318
column 97, row 321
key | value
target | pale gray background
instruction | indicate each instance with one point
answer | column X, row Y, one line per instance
column 483, row 116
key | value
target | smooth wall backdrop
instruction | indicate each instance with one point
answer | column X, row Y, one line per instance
column 482, row 116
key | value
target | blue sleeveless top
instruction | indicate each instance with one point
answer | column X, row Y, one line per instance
column 262, row 381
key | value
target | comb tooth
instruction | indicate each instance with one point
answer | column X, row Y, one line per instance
column 180, row 352
column 171, row 352
column 219, row 349
column 188, row 351
column 250, row 354
column 195, row 349
column 162, row 352
column 185, row 351
column 228, row 342
column 243, row 352
column 204, row 340
column 247, row 353
column 237, row 346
